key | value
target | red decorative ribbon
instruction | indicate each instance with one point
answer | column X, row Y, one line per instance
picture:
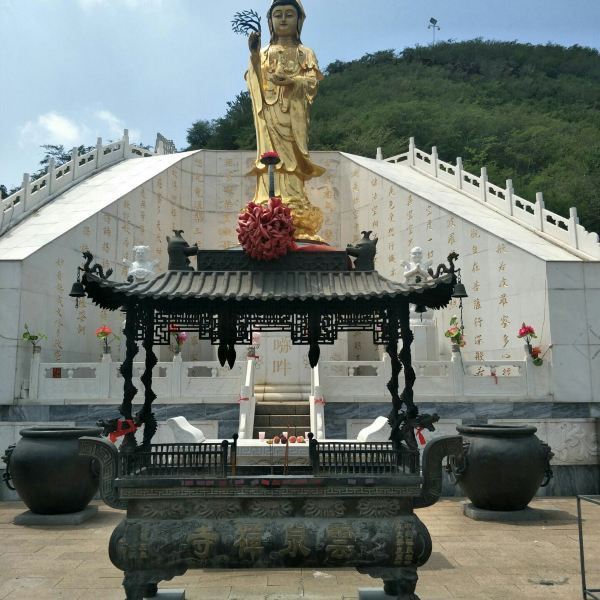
column 320, row 401
column 420, row 436
column 266, row 231
column 124, row 427
column 243, row 399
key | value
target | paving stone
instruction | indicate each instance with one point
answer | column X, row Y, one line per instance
column 472, row 560
column 170, row 595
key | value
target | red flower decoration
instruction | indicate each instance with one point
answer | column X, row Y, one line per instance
column 266, row 231
column 103, row 332
column 526, row 331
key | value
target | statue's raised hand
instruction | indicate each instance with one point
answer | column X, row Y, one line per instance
column 254, row 42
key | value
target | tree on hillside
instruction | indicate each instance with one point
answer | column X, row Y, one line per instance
column 200, row 134
column 528, row 113
column 60, row 156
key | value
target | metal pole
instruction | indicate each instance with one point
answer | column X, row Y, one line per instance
column 581, row 556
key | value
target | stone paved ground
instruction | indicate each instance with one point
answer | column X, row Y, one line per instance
column 471, row 560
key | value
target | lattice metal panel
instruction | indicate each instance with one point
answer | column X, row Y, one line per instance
column 356, row 322
column 204, row 325
column 299, row 330
column 381, row 328
column 329, row 330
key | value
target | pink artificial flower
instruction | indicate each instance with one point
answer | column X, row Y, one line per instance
column 526, row 330
column 181, row 337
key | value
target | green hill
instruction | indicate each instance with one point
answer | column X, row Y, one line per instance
column 530, row 113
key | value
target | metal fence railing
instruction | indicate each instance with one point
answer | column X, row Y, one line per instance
column 358, row 458
column 219, row 460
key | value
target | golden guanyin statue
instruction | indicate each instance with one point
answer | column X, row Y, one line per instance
column 283, row 78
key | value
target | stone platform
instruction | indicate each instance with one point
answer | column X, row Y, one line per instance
column 472, row 560
column 34, row 520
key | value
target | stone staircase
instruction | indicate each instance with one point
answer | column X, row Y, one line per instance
column 281, row 408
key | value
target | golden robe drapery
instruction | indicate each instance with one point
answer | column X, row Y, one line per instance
column 281, row 117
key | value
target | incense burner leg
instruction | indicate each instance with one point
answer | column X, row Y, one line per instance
column 398, row 582
column 402, row 584
column 137, row 587
column 142, row 584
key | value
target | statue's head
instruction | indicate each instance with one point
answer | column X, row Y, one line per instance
column 140, row 252
column 416, row 255
column 286, row 17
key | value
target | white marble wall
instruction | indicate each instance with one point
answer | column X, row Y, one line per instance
column 203, row 193
column 574, row 322
column 506, row 285
column 10, row 296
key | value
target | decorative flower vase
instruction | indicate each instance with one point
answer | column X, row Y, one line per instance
column 502, row 467
column 47, row 471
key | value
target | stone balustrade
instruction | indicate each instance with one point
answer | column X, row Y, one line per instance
column 566, row 232
column 102, row 382
column 456, row 379
column 34, row 194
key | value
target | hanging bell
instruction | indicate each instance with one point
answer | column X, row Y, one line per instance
column 420, row 309
column 77, row 290
column 460, row 291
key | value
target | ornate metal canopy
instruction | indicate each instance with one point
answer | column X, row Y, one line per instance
column 313, row 296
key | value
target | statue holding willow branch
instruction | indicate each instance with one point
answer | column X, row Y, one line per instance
column 283, row 78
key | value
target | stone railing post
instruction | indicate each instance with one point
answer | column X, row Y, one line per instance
column 247, row 407
column 539, row 210
column 483, row 184
column 75, row 159
column 510, row 191
column 435, row 161
column 99, row 153
column 573, row 223
column 379, row 155
column 25, row 191
column 317, row 413
column 104, row 376
column 250, row 374
column 459, row 173
column 50, row 179
column 411, row 151
column 34, row 374
column 458, row 373
column 125, row 143
column 176, row 370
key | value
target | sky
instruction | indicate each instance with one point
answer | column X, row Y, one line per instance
column 73, row 70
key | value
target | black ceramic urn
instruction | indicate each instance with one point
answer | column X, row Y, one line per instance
column 503, row 466
column 47, row 471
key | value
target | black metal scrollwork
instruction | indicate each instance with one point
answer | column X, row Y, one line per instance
column 7, row 477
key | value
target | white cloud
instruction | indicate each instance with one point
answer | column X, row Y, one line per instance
column 55, row 128
column 52, row 128
column 115, row 126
